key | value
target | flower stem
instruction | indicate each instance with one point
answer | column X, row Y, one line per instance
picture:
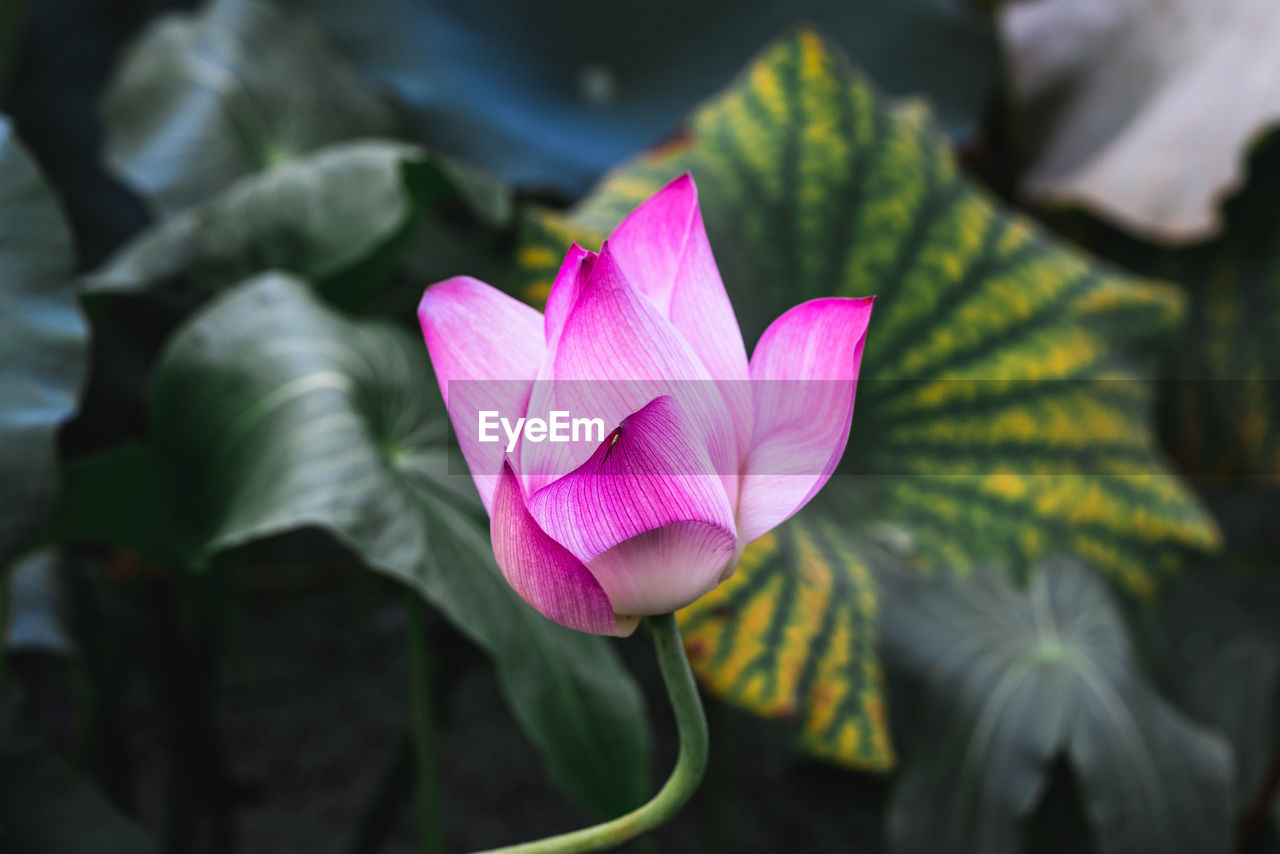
column 685, row 777
column 426, row 785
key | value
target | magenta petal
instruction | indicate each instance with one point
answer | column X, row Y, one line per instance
column 663, row 249
column 565, row 290
column 614, row 354
column 647, row 514
column 804, row 374
column 542, row 571
column 487, row 346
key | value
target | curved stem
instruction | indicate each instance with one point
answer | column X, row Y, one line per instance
column 685, row 777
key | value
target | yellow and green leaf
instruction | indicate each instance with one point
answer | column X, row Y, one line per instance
column 1002, row 411
column 792, row 636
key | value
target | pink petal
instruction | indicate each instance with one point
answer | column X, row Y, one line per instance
column 565, row 290
column 485, row 347
column 646, row 513
column 663, row 249
column 615, row 353
column 804, row 374
column 542, row 571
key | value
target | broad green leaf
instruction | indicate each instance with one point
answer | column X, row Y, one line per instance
column 43, row 343
column 527, row 91
column 201, row 100
column 999, row 683
column 1000, row 414
column 337, row 217
column 271, row 412
column 46, row 807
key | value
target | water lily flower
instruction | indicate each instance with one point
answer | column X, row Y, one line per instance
column 704, row 450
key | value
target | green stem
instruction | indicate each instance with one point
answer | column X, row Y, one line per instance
column 685, row 777
column 427, row 780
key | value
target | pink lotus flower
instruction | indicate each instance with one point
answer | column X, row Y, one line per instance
column 706, row 450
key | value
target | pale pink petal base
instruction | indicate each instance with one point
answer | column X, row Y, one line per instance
column 664, row 569
column 543, row 572
column 647, row 513
column 804, row 374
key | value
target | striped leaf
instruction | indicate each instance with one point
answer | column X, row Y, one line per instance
column 792, row 636
column 1000, row 414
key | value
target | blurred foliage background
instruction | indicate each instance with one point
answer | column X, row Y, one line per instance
column 246, row 608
